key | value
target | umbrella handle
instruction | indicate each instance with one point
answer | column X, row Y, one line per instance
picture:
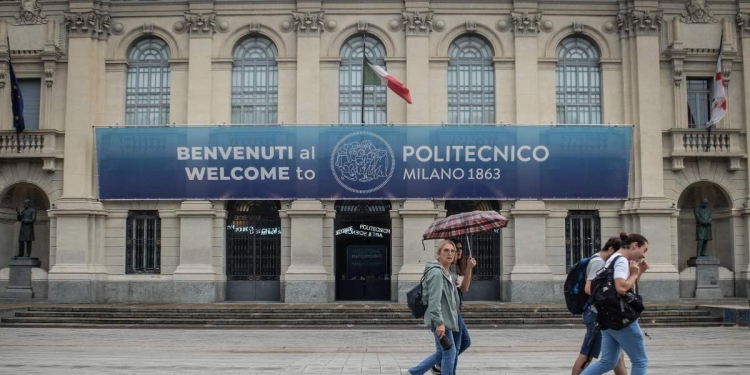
column 468, row 245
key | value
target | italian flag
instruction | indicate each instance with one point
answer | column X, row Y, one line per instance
column 375, row 75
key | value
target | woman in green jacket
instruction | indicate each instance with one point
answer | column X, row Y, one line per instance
column 439, row 290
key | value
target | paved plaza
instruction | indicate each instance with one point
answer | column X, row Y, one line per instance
column 509, row 351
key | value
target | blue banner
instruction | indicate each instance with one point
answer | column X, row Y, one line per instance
column 345, row 162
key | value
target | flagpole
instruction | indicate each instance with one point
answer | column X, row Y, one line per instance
column 721, row 67
column 10, row 63
column 364, row 61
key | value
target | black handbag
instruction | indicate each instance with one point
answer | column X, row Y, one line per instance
column 414, row 300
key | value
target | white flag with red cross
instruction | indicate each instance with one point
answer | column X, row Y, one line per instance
column 719, row 102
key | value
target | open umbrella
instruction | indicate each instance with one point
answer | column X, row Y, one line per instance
column 464, row 224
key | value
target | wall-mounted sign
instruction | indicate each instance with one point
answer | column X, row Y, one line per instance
column 345, row 162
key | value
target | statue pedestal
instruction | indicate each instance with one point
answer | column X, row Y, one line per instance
column 706, row 277
column 19, row 281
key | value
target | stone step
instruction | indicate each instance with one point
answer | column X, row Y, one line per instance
column 197, row 314
column 324, row 321
column 318, row 327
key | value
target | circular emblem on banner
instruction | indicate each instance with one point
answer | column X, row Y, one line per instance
column 362, row 162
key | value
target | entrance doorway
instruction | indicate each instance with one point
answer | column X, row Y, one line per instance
column 253, row 251
column 362, row 233
column 486, row 247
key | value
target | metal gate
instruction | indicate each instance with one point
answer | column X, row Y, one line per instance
column 486, row 247
column 253, row 251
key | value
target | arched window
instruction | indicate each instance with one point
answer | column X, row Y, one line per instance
column 471, row 81
column 147, row 91
column 579, row 89
column 350, row 82
column 255, row 82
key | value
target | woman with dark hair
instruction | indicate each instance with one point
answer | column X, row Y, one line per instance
column 629, row 264
column 592, row 342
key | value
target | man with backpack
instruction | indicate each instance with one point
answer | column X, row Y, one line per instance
column 619, row 307
column 577, row 297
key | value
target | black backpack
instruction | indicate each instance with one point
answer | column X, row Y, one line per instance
column 414, row 300
column 615, row 311
column 575, row 287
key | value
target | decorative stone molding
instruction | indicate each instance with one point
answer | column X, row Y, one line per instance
column 148, row 28
column 503, row 25
column 118, row 28
column 471, row 26
column 609, row 27
column 697, row 12
column 88, row 24
column 254, row 26
column 677, row 56
column 439, row 25
column 578, row 27
column 525, row 23
column 3, row 76
column 416, row 23
column 30, row 13
column 331, row 25
column 197, row 24
column 49, row 74
column 743, row 25
column 310, row 23
column 640, row 22
column 362, row 26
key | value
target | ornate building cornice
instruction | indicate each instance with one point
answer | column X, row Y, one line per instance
column 696, row 11
column 640, row 22
column 416, row 23
column 94, row 24
column 525, row 23
column 30, row 13
column 743, row 25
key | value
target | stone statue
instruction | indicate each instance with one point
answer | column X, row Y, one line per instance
column 703, row 227
column 27, row 217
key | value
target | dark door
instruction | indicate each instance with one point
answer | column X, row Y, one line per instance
column 253, row 251
column 486, row 247
column 362, row 234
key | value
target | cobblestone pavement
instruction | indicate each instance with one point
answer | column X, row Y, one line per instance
column 509, row 351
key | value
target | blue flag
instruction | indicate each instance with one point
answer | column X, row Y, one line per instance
column 16, row 100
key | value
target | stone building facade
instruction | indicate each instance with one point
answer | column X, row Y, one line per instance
column 646, row 63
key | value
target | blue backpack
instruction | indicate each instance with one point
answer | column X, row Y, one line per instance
column 575, row 287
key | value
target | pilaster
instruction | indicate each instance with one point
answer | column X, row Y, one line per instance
column 416, row 216
column 743, row 28
column 201, row 28
column 531, row 278
column 306, row 279
column 417, row 26
column 194, row 278
column 526, row 27
column 309, row 26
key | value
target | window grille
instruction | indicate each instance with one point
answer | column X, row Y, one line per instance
column 471, row 81
column 350, row 82
column 148, row 81
column 255, row 82
column 579, row 92
column 582, row 236
column 143, row 242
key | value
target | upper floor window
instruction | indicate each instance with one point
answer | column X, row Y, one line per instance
column 579, row 90
column 255, row 82
column 698, row 101
column 31, row 90
column 147, row 91
column 471, row 81
column 350, row 82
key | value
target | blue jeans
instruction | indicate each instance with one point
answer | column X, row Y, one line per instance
column 446, row 358
column 592, row 342
column 461, row 338
column 629, row 339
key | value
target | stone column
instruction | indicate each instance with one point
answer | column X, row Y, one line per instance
column 308, row 67
column 195, row 279
column 525, row 29
column 306, row 279
column 652, row 215
column 417, row 65
column 743, row 25
column 531, row 277
column 221, row 105
column 78, row 274
column 199, row 98
column 287, row 91
column 416, row 216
